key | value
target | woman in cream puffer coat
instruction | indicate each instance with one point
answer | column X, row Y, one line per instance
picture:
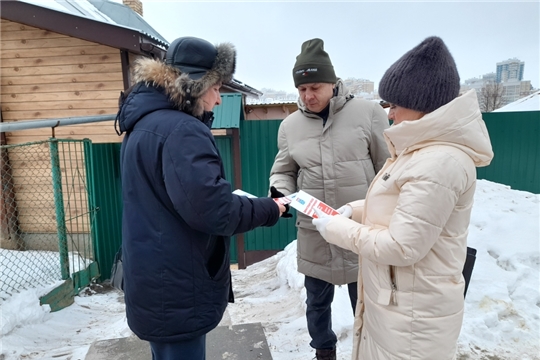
column 411, row 230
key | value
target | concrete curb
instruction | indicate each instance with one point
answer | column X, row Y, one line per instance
column 233, row 342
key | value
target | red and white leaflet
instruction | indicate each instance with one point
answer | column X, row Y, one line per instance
column 307, row 204
column 301, row 201
column 283, row 200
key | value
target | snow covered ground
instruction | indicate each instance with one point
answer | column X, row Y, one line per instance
column 502, row 309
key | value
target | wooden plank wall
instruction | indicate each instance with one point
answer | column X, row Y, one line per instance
column 46, row 75
column 270, row 111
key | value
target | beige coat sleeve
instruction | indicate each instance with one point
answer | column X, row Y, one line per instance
column 358, row 210
column 429, row 193
column 345, row 233
column 284, row 171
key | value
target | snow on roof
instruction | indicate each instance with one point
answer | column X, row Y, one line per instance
column 528, row 103
column 77, row 8
column 110, row 12
column 124, row 15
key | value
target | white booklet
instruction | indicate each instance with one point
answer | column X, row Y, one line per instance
column 243, row 193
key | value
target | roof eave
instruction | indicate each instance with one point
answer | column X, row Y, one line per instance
column 237, row 86
column 80, row 27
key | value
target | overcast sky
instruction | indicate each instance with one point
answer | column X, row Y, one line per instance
column 362, row 38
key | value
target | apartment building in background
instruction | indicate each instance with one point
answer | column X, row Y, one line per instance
column 509, row 74
column 510, row 70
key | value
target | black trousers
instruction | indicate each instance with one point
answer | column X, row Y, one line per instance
column 194, row 349
column 320, row 295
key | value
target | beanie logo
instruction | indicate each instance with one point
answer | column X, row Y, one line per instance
column 305, row 72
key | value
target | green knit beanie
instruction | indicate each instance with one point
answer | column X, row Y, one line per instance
column 313, row 64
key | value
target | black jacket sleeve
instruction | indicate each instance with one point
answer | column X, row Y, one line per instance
column 193, row 178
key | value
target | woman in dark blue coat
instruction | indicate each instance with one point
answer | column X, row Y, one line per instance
column 178, row 209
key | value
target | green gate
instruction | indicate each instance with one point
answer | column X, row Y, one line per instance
column 46, row 219
column 107, row 199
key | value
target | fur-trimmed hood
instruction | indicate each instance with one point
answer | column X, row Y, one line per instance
column 181, row 91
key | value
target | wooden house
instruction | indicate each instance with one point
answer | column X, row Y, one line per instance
column 67, row 62
column 70, row 59
column 73, row 60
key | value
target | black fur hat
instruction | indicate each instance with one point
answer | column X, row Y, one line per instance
column 202, row 64
column 423, row 79
column 191, row 67
column 192, row 56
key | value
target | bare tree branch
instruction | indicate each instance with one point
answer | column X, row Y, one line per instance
column 490, row 96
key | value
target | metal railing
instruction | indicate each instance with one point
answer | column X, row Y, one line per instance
column 52, row 123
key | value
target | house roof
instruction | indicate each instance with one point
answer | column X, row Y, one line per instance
column 528, row 103
column 239, row 86
column 100, row 21
column 79, row 8
column 82, row 20
column 124, row 15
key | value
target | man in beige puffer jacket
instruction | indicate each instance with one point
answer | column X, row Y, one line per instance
column 331, row 148
column 411, row 230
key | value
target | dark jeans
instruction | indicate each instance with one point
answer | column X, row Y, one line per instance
column 320, row 295
column 194, row 349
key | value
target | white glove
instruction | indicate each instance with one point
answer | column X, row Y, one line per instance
column 345, row 210
column 321, row 222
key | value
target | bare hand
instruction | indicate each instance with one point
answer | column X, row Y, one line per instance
column 282, row 209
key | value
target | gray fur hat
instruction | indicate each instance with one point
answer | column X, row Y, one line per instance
column 191, row 67
column 424, row 79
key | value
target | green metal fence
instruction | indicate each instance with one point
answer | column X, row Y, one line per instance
column 106, row 190
column 45, row 216
column 106, row 193
column 515, row 137
column 258, row 143
column 224, row 144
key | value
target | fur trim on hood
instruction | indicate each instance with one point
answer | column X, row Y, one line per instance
column 184, row 92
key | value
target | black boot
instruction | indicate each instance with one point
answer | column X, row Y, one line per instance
column 325, row 354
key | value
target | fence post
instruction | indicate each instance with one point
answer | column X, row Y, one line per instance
column 59, row 207
column 90, row 186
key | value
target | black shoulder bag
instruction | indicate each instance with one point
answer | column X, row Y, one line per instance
column 468, row 267
column 117, row 272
